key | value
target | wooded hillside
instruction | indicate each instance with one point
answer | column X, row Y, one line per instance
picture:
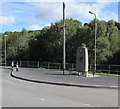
column 47, row 44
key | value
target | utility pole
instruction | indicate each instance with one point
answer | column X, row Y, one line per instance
column 64, row 54
column 5, row 48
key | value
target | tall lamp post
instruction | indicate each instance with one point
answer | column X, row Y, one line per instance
column 95, row 39
column 5, row 48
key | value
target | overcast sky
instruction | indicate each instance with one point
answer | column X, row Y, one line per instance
column 35, row 14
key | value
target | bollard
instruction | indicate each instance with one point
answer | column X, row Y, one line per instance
column 12, row 64
column 17, row 66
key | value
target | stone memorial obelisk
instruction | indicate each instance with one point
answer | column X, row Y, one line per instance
column 82, row 61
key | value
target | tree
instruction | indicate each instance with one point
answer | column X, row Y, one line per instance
column 103, row 49
column 112, row 33
column 47, row 44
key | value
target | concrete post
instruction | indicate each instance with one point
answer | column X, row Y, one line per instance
column 17, row 66
column 109, row 69
column 48, row 65
column 12, row 64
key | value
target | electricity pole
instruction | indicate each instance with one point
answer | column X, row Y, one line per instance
column 64, row 55
column 5, row 48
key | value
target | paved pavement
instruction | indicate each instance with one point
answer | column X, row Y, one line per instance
column 18, row 93
column 57, row 78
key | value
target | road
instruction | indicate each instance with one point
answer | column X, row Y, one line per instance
column 58, row 77
column 18, row 93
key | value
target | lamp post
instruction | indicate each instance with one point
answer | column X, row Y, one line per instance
column 95, row 39
column 5, row 48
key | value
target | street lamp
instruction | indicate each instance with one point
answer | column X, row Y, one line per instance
column 95, row 38
column 5, row 48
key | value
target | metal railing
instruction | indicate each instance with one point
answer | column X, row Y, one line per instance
column 103, row 68
column 111, row 69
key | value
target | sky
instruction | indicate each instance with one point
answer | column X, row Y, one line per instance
column 36, row 14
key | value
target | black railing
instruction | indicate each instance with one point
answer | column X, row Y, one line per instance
column 101, row 68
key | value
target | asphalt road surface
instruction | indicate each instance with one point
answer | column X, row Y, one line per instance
column 58, row 77
column 18, row 93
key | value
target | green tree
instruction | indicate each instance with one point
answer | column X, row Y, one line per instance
column 47, row 44
column 112, row 33
column 103, row 49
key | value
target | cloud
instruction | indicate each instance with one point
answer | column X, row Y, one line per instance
column 6, row 20
column 52, row 10
column 47, row 25
column 108, row 16
column 47, row 11
column 60, row 0
column 37, row 27
column 71, row 0
column 14, row 30
column 49, row 1
column 80, row 11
